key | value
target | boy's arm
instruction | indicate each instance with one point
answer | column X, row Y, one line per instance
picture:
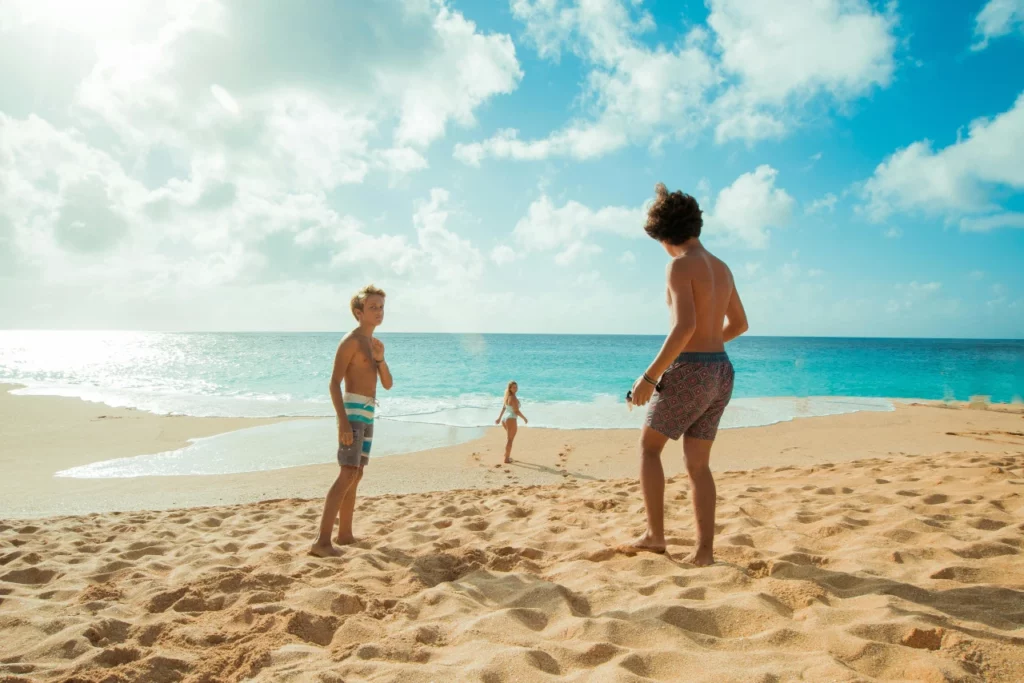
column 736, row 317
column 346, row 350
column 383, row 370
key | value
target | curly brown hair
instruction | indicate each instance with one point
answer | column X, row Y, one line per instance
column 674, row 217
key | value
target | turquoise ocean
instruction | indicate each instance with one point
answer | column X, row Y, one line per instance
column 448, row 387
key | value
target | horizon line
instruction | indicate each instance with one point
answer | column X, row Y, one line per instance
column 522, row 334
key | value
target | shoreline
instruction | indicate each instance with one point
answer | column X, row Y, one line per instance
column 48, row 434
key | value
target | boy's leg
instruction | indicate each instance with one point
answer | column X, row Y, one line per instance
column 322, row 546
column 652, row 479
column 702, row 485
column 346, row 510
column 697, row 443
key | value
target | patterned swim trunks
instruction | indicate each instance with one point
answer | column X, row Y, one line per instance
column 695, row 390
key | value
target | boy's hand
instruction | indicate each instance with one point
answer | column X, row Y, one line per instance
column 378, row 350
column 642, row 392
column 345, row 436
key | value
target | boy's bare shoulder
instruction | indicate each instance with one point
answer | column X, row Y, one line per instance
column 349, row 342
column 683, row 265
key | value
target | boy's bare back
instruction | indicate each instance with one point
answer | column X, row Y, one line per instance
column 714, row 296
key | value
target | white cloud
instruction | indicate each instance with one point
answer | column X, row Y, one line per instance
column 503, row 254
column 399, row 161
column 826, row 203
column 202, row 150
column 815, row 272
column 454, row 259
column 547, row 227
column 469, row 69
column 633, row 93
column 772, row 51
column 998, row 220
column 749, row 126
column 279, row 111
column 977, row 275
column 782, row 49
column 745, row 211
column 955, row 180
column 577, row 251
column 998, row 18
column 225, row 99
column 893, row 233
column 752, row 269
column 759, row 63
column 627, row 257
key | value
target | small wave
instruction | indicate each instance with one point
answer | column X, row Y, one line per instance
column 269, row 447
column 466, row 411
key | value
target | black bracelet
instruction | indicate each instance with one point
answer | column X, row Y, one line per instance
column 649, row 380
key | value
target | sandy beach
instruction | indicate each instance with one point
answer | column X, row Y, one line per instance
column 868, row 546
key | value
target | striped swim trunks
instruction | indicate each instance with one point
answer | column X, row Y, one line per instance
column 695, row 390
column 359, row 409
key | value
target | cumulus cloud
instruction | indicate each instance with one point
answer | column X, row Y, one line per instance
column 190, row 147
column 503, row 254
column 633, row 93
column 775, row 47
column 454, row 259
column 567, row 228
column 745, row 212
column 997, row 18
column 957, row 180
column 745, row 74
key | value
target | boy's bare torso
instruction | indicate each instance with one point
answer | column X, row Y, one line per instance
column 713, row 286
column 361, row 373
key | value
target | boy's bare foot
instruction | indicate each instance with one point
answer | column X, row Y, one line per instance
column 321, row 550
column 345, row 540
column 702, row 557
column 644, row 544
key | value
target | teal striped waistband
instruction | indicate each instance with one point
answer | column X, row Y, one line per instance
column 359, row 408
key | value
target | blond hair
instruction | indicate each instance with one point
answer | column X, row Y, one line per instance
column 508, row 390
column 362, row 295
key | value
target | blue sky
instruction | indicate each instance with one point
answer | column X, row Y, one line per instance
column 229, row 165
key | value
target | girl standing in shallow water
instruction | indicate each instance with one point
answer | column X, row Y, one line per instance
column 511, row 405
